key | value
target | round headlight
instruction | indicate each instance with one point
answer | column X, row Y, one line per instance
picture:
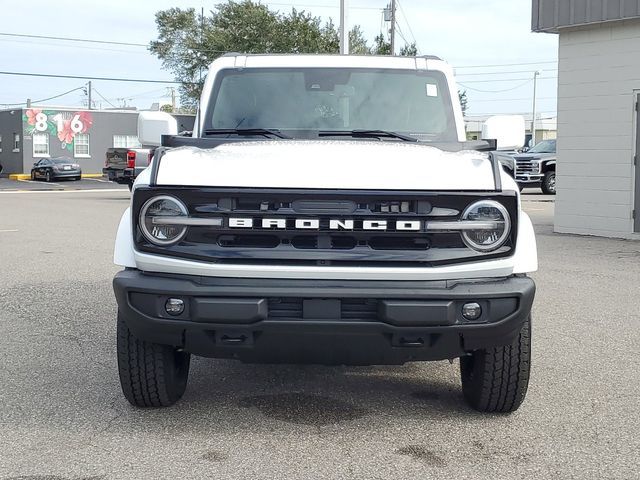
column 493, row 225
column 155, row 220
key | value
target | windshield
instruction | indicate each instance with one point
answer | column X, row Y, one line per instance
column 302, row 101
column 546, row 146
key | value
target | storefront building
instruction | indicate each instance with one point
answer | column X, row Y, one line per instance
column 29, row 134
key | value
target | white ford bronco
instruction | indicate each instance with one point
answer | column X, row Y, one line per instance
column 326, row 209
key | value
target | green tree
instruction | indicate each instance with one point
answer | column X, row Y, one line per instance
column 409, row 50
column 464, row 101
column 381, row 46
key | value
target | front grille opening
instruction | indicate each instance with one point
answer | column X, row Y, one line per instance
column 343, row 243
column 305, row 242
column 249, row 241
column 351, row 309
column 399, row 243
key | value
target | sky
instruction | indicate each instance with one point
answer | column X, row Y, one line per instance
column 489, row 43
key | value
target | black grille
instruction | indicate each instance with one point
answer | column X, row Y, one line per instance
column 323, row 246
column 526, row 166
column 351, row 309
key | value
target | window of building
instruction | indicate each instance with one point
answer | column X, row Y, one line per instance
column 81, row 145
column 126, row 141
column 16, row 142
column 0, row 143
column 40, row 144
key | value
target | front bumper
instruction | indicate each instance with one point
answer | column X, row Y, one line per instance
column 529, row 178
column 330, row 321
column 122, row 176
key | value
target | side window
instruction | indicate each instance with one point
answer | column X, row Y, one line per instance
column 125, row 141
column 40, row 144
column 81, row 145
column 119, row 141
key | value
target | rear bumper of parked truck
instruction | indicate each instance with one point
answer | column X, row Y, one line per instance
column 327, row 322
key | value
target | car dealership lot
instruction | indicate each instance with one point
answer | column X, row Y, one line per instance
column 62, row 414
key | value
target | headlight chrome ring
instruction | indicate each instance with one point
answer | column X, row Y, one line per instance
column 495, row 238
column 172, row 233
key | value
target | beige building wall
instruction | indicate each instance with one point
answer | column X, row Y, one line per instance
column 599, row 70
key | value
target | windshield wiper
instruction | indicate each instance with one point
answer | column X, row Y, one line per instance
column 265, row 132
column 366, row 134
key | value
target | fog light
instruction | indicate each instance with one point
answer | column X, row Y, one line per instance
column 471, row 311
column 174, row 306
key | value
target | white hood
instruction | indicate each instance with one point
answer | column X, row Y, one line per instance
column 326, row 165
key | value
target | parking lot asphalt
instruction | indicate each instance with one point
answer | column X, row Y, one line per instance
column 62, row 414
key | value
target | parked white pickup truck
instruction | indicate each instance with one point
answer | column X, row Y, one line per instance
column 327, row 209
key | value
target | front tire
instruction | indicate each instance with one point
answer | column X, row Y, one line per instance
column 47, row 176
column 496, row 379
column 33, row 176
column 549, row 183
column 151, row 375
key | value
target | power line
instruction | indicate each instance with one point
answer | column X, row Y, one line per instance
column 497, row 91
column 71, row 39
column 44, row 99
column 476, row 74
column 306, row 5
column 72, row 45
column 406, row 20
column 510, row 99
column 145, row 45
column 102, row 97
column 506, row 64
column 509, row 80
column 84, row 77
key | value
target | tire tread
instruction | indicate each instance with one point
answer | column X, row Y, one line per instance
column 496, row 379
column 143, row 370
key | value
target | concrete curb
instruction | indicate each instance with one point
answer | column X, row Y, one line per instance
column 26, row 176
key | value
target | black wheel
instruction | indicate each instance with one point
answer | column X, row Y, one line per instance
column 33, row 176
column 549, row 183
column 47, row 176
column 151, row 375
column 496, row 379
column 77, row 179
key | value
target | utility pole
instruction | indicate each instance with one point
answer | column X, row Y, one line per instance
column 201, row 37
column 393, row 27
column 89, row 95
column 173, row 99
column 344, row 29
column 533, row 118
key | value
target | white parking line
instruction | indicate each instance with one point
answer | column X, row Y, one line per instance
column 7, row 231
column 97, row 180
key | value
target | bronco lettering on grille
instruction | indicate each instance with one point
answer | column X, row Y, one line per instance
column 331, row 224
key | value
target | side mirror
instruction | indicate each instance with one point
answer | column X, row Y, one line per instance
column 152, row 125
column 507, row 130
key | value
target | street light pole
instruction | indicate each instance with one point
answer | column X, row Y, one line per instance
column 344, row 29
column 533, row 118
